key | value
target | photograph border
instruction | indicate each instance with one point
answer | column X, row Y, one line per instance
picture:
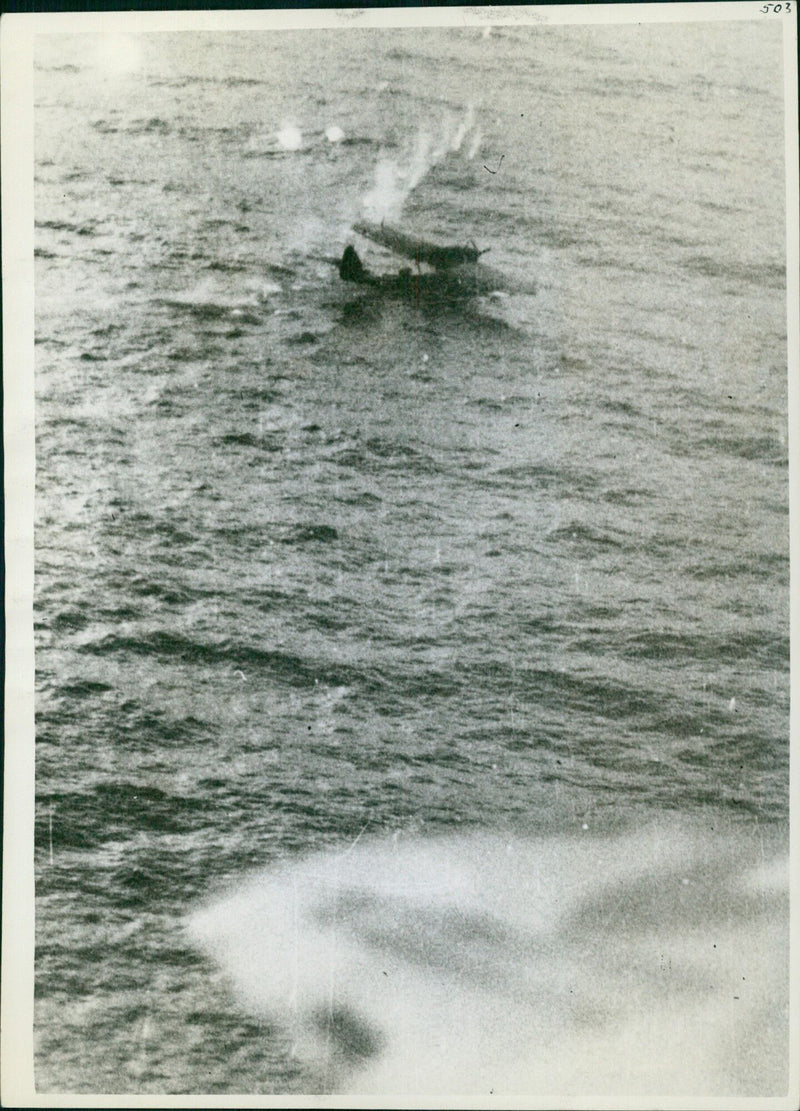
column 17, row 33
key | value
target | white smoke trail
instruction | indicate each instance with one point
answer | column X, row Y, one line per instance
column 396, row 177
column 475, row 144
column 464, row 127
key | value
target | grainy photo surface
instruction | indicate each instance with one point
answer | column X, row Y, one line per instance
column 411, row 562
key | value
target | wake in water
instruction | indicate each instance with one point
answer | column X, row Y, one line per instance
column 649, row 964
column 397, row 176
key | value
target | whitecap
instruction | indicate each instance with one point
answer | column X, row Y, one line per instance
column 290, row 137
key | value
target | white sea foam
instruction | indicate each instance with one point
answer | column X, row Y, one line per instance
column 289, row 137
column 652, row 963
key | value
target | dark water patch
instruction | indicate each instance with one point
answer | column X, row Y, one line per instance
column 255, row 397
column 682, row 721
column 548, row 476
column 105, row 330
column 50, row 341
column 577, row 533
column 155, row 125
column 718, row 206
column 559, row 238
column 228, row 1023
column 763, row 275
column 389, row 449
column 210, row 311
column 72, row 820
column 746, row 607
column 562, row 690
column 85, row 688
column 598, row 261
column 326, row 620
column 226, row 266
column 265, row 598
column 350, row 457
column 116, row 181
column 767, row 566
column 627, row 87
column 205, row 310
column 146, row 727
column 270, row 442
column 310, row 533
column 662, row 338
column 64, row 225
column 731, row 648
column 613, row 405
column 444, row 754
column 520, row 742
column 188, row 80
column 279, row 270
column 71, row 620
column 695, row 757
column 424, row 685
column 600, row 611
column 545, row 627
column 214, row 784
column 302, row 339
column 169, row 593
column 147, row 883
column 182, row 355
column 170, row 534
column 680, row 241
column 379, row 455
column 303, row 152
column 488, row 403
column 283, row 667
column 230, row 82
column 360, row 141
column 627, row 497
column 364, row 500
column 40, row 252
column 763, row 449
column 573, row 363
column 725, row 798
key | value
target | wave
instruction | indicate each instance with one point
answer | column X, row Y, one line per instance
column 284, row 667
column 769, row 275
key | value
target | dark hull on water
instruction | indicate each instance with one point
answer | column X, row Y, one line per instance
column 455, row 283
column 453, row 272
column 418, row 250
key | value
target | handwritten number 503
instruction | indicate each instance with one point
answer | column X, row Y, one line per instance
column 775, row 8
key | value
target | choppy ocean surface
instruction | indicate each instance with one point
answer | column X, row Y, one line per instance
column 316, row 568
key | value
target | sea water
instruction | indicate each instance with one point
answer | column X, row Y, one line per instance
column 320, row 572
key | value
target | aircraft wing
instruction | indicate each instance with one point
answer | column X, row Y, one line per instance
column 417, row 249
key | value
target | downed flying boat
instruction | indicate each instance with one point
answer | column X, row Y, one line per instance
column 450, row 271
